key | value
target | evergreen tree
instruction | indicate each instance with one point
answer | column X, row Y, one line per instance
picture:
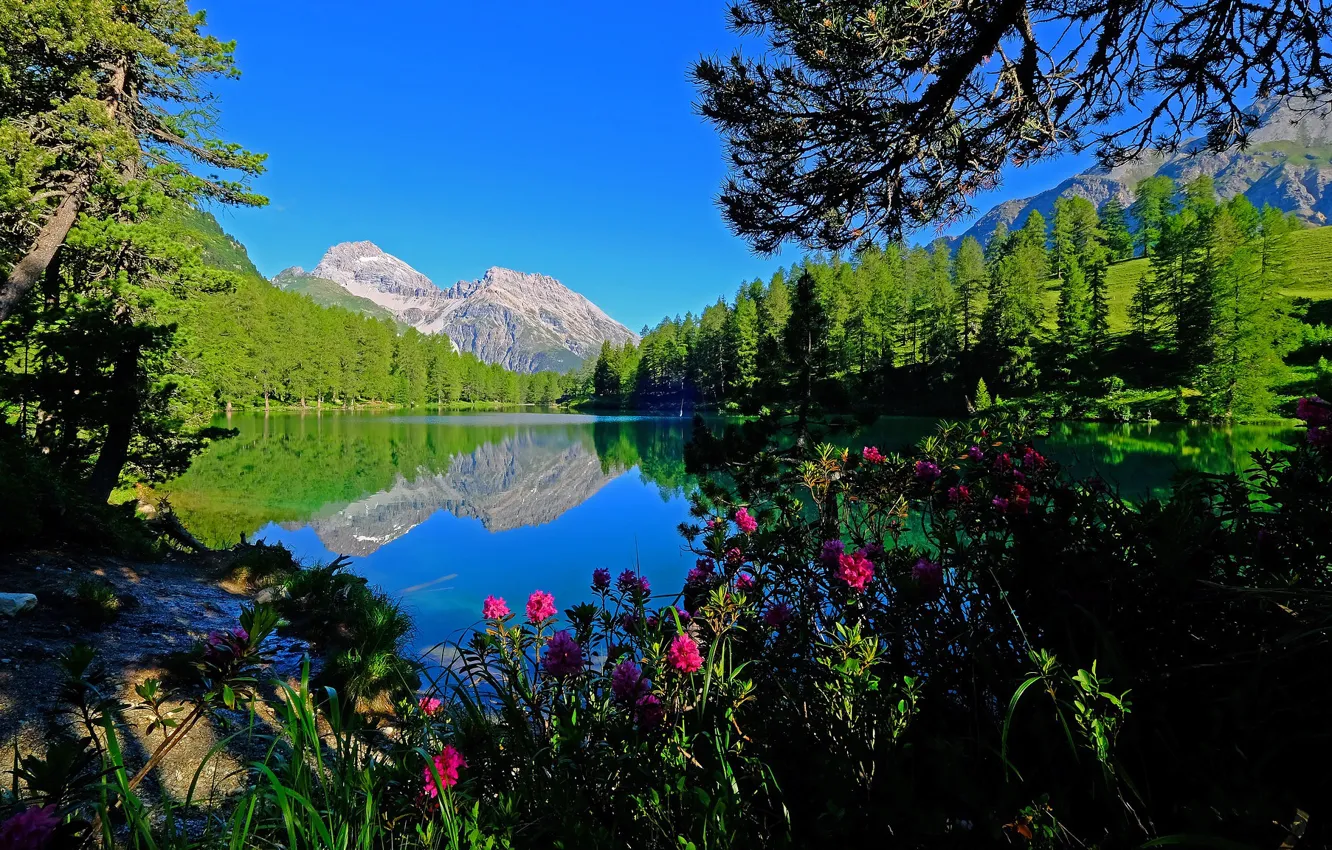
column 969, row 281
column 1114, row 224
column 1153, row 203
column 806, row 342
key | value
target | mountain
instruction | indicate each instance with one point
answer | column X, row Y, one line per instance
column 328, row 293
column 525, row 322
column 1288, row 164
column 524, row 480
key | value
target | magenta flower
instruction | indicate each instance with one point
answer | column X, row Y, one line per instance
column 832, row 550
column 446, row 764
column 975, row 453
column 632, row 582
column 683, row 654
column 540, row 606
column 744, row 582
column 959, row 494
column 494, row 608
column 855, row 569
column 875, row 551
column 734, row 557
column 1000, row 502
column 564, row 657
column 872, row 454
column 777, row 615
column 627, row 682
column 713, row 522
column 745, row 522
column 700, row 574
column 1319, row 437
column 240, row 635
column 927, row 573
column 430, row 706
column 30, row 829
column 1003, row 461
column 649, row 712
column 1021, row 500
column 1033, row 459
column 629, row 621
column 681, row 613
column 927, row 471
column 601, row 580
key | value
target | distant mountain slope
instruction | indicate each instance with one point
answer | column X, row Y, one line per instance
column 327, row 293
column 1288, row 164
column 525, row 322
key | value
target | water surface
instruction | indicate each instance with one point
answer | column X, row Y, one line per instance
column 445, row 510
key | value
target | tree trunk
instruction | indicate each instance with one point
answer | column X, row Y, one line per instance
column 120, row 425
column 32, row 265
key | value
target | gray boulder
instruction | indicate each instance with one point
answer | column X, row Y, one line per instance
column 15, row 603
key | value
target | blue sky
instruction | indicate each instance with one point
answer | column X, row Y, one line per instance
column 546, row 137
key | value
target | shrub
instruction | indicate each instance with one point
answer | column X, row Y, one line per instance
column 95, row 602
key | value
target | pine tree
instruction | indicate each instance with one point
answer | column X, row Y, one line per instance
column 806, row 341
column 969, row 280
column 982, row 401
column 1114, row 224
column 1153, row 203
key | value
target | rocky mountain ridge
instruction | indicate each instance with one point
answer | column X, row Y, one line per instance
column 524, row 322
column 520, row 481
column 1288, row 164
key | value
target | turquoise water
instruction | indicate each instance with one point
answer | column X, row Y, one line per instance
column 446, row 510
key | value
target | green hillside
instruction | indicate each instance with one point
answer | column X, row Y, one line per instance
column 326, row 293
column 1311, row 268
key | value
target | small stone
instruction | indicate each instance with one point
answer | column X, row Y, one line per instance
column 14, row 603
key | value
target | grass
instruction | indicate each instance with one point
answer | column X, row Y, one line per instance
column 1311, row 270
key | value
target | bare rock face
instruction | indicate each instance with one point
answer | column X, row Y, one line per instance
column 1287, row 164
column 524, row 322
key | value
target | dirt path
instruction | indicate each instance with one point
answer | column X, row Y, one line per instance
column 166, row 608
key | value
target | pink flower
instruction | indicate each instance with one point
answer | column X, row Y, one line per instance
column 777, row 615
column 855, row 569
column 744, row 582
column 540, row 606
column 702, row 572
column 713, row 522
column 1000, row 502
column 683, row 615
column 745, row 522
column 564, row 657
column 30, row 829
column 872, row 454
column 959, row 494
column 683, row 654
column 975, row 453
column 627, row 682
column 927, row 471
column 494, row 608
column 601, row 580
column 446, row 764
column 1021, row 500
column 1003, row 461
column 927, row 573
column 240, row 635
column 430, row 706
column 1033, row 459
column 734, row 558
column 632, row 582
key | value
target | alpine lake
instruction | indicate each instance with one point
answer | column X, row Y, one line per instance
column 444, row 510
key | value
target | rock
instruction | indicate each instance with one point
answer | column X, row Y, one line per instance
column 524, row 322
column 269, row 595
column 15, row 603
column 1286, row 165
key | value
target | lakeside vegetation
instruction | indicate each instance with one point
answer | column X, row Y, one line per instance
column 961, row 645
column 1201, row 325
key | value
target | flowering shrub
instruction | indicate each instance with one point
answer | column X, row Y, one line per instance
column 960, row 647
